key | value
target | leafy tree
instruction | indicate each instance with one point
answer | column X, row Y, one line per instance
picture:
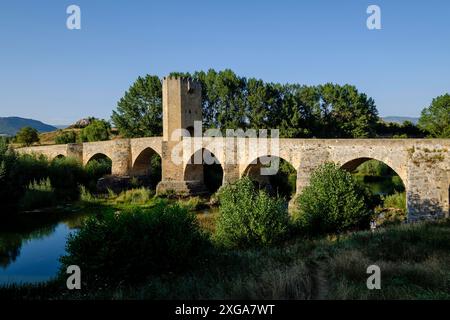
column 230, row 102
column 66, row 137
column 436, row 118
column 27, row 136
column 346, row 113
column 333, row 202
column 139, row 111
column 98, row 130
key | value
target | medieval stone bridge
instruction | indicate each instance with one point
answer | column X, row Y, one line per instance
column 422, row 164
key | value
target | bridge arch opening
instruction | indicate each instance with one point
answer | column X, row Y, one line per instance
column 206, row 168
column 282, row 182
column 384, row 183
column 99, row 165
column 147, row 167
column 59, row 157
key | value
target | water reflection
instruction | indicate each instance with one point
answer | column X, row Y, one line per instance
column 30, row 246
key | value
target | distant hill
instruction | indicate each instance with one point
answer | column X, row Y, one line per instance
column 10, row 125
column 400, row 119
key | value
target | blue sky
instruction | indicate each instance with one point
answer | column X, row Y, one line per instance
column 56, row 75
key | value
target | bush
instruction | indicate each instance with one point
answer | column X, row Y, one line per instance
column 66, row 175
column 66, row 137
column 95, row 169
column 396, row 201
column 250, row 217
column 97, row 130
column 134, row 196
column 131, row 245
column 38, row 195
column 18, row 172
column 333, row 202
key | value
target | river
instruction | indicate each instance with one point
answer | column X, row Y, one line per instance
column 29, row 253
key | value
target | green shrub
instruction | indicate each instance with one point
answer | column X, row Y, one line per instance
column 87, row 197
column 18, row 172
column 134, row 196
column 333, row 202
column 192, row 204
column 97, row 130
column 250, row 217
column 95, row 169
column 66, row 175
column 66, row 137
column 396, row 201
column 39, row 194
column 392, row 210
column 133, row 244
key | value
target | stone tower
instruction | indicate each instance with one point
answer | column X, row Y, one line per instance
column 182, row 106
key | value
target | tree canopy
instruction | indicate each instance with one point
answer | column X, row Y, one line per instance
column 230, row 101
column 139, row 111
column 435, row 119
column 27, row 136
column 98, row 130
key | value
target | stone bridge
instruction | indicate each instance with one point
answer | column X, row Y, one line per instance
column 422, row 164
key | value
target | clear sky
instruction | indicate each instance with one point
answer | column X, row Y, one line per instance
column 56, row 75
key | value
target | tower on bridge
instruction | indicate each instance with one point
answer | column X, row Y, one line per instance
column 182, row 107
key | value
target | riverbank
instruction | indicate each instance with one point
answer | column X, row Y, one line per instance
column 414, row 261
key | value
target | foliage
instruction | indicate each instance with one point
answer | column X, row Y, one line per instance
column 66, row 137
column 66, row 174
column 139, row 111
column 250, row 217
column 133, row 244
column 39, row 194
column 333, row 202
column 27, row 136
column 231, row 102
column 407, row 129
column 375, row 168
column 436, row 118
column 192, row 203
column 396, row 200
column 414, row 260
column 18, row 172
column 134, row 196
column 95, row 169
column 97, row 130
column 285, row 180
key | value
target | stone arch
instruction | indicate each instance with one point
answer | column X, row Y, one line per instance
column 278, row 180
column 356, row 162
column 99, row 157
column 147, row 167
column 59, row 156
column 206, row 168
column 352, row 164
column 140, row 165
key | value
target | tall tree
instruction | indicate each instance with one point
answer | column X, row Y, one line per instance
column 139, row 111
column 435, row 119
column 346, row 113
